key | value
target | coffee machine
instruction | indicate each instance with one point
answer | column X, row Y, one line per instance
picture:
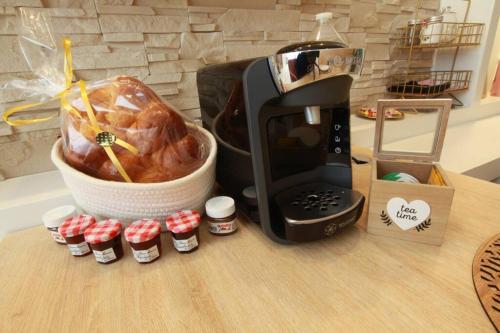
column 282, row 127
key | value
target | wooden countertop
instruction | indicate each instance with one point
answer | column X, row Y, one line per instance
column 245, row 282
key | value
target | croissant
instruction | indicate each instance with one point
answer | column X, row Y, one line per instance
column 130, row 110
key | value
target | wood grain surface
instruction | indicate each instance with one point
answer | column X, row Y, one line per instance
column 486, row 275
column 353, row 282
column 439, row 198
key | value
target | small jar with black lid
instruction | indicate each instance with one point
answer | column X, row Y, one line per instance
column 144, row 239
column 221, row 213
column 54, row 218
column 105, row 240
column 72, row 230
column 184, row 228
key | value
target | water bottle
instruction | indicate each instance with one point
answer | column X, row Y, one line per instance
column 324, row 30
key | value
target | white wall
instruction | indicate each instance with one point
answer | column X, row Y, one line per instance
column 475, row 58
column 494, row 58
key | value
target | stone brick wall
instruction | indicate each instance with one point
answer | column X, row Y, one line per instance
column 164, row 42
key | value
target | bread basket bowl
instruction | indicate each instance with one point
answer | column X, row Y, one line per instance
column 132, row 201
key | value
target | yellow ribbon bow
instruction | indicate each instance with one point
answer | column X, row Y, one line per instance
column 105, row 139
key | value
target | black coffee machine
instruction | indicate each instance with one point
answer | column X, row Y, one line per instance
column 282, row 127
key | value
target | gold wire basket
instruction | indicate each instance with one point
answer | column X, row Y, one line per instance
column 423, row 34
column 429, row 83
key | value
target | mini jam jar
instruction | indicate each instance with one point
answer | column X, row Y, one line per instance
column 54, row 218
column 144, row 239
column 72, row 230
column 105, row 240
column 184, row 228
column 221, row 214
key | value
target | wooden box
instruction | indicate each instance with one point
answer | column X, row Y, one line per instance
column 410, row 211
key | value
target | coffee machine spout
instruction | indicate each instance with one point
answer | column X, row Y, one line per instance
column 313, row 115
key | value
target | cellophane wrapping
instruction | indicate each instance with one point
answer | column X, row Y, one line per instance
column 169, row 147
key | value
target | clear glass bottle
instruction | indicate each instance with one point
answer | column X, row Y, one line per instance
column 324, row 30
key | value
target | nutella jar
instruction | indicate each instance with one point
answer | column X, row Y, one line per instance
column 105, row 240
column 54, row 218
column 221, row 214
column 184, row 228
column 144, row 239
column 72, row 230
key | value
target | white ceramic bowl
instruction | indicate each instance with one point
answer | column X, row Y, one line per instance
column 132, row 201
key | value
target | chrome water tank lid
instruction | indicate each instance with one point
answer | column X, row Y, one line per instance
column 303, row 63
column 310, row 45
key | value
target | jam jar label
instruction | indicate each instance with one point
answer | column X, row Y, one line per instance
column 146, row 255
column 104, row 256
column 57, row 237
column 185, row 244
column 222, row 227
column 79, row 249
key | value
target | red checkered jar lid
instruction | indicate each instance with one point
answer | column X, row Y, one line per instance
column 76, row 225
column 142, row 230
column 103, row 231
column 183, row 221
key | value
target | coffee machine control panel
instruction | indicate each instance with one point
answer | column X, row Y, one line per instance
column 339, row 146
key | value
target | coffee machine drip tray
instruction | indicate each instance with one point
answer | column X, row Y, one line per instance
column 316, row 210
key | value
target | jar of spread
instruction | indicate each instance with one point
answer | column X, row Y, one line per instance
column 54, row 218
column 144, row 239
column 221, row 214
column 105, row 240
column 72, row 231
column 184, row 228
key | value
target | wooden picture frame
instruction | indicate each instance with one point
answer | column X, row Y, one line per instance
column 442, row 105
